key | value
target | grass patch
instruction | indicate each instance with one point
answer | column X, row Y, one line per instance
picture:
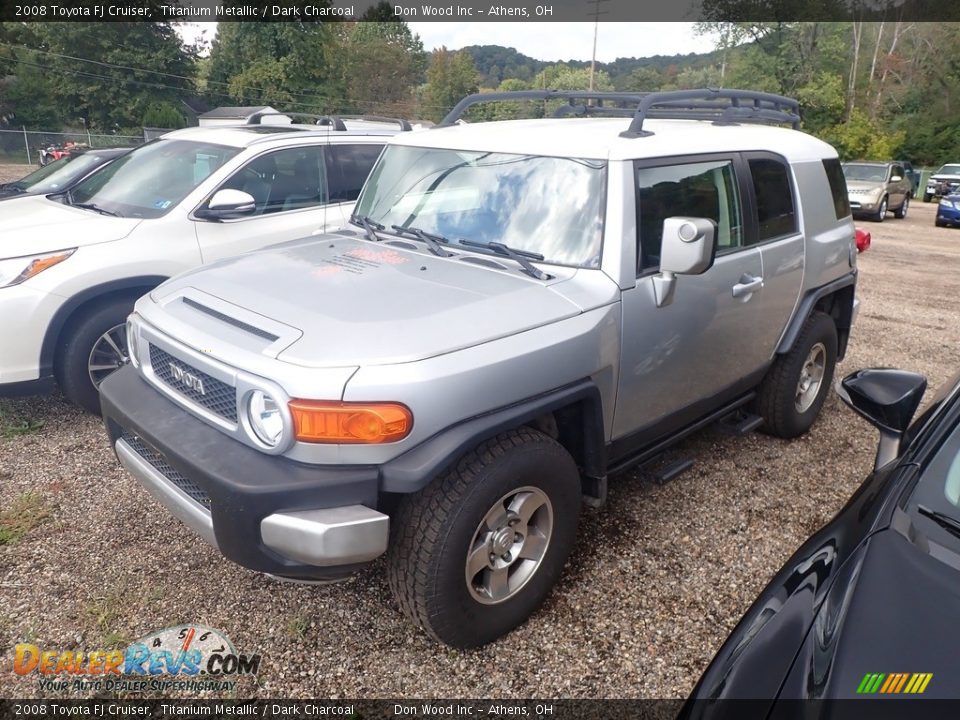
column 115, row 641
column 24, row 514
column 104, row 613
column 298, row 626
column 12, row 426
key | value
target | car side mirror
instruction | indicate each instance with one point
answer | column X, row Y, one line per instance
column 896, row 178
column 887, row 398
column 228, row 203
column 687, row 247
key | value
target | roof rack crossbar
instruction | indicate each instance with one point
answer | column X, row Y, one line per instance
column 718, row 104
column 257, row 119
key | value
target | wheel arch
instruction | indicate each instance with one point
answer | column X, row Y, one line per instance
column 82, row 301
column 573, row 415
column 836, row 300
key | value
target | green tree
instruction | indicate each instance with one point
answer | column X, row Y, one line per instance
column 451, row 76
column 163, row 115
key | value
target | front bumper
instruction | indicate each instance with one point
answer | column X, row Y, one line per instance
column 949, row 214
column 25, row 314
column 263, row 512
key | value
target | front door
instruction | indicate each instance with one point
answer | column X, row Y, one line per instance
column 681, row 359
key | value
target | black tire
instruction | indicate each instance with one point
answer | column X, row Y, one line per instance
column 927, row 197
column 434, row 530
column 939, row 223
column 881, row 213
column 777, row 401
column 82, row 332
column 901, row 212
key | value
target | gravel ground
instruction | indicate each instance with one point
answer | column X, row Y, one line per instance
column 659, row 577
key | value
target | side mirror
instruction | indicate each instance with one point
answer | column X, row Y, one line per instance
column 896, row 178
column 228, row 203
column 887, row 398
column 687, row 248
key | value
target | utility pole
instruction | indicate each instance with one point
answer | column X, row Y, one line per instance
column 596, row 22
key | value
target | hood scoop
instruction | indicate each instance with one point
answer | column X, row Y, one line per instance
column 230, row 320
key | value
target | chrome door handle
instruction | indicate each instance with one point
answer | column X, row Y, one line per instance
column 747, row 285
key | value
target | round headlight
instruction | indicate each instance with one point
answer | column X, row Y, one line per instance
column 265, row 418
column 132, row 349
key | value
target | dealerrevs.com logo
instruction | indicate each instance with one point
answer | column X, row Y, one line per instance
column 186, row 657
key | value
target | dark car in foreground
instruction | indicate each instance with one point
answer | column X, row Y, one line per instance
column 868, row 606
column 62, row 174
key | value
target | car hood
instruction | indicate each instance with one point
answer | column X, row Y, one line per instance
column 894, row 611
column 940, row 176
column 357, row 302
column 34, row 224
column 864, row 185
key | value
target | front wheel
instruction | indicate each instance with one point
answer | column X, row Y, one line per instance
column 95, row 347
column 797, row 384
column 881, row 211
column 927, row 197
column 477, row 551
column 901, row 212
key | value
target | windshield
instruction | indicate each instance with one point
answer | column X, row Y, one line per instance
column 865, row 173
column 949, row 170
column 153, row 179
column 59, row 173
column 551, row 206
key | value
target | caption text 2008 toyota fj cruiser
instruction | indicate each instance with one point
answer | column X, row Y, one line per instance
column 518, row 310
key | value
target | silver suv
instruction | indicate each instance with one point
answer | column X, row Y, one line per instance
column 518, row 310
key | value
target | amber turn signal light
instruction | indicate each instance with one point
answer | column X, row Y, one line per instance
column 321, row 421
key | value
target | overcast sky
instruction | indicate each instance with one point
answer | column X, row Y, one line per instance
column 550, row 41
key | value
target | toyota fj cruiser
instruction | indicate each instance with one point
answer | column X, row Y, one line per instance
column 518, row 310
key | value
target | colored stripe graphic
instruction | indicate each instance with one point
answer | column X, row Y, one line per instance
column 894, row 683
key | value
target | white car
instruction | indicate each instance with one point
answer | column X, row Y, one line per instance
column 72, row 264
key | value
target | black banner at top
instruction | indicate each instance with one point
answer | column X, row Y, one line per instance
column 477, row 10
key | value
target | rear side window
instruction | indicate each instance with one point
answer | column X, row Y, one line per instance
column 347, row 169
column 838, row 187
column 775, row 210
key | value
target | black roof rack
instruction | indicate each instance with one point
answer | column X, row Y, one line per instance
column 718, row 104
column 334, row 121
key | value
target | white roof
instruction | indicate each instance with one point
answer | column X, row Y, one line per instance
column 599, row 139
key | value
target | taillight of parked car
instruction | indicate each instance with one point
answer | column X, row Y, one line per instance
column 863, row 240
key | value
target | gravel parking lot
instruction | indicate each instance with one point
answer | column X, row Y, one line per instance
column 659, row 577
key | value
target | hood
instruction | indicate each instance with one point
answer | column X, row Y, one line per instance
column 945, row 176
column 33, row 224
column 362, row 303
column 895, row 612
column 862, row 185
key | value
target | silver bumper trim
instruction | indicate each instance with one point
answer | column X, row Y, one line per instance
column 169, row 495
column 331, row 536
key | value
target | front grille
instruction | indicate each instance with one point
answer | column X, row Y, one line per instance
column 218, row 397
column 156, row 459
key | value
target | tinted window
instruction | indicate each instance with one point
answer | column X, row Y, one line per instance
column 289, row 179
column 704, row 190
column 771, row 185
column 347, row 169
column 838, row 187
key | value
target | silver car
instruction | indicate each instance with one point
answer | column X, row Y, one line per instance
column 516, row 311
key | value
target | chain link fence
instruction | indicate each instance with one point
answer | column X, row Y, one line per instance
column 23, row 146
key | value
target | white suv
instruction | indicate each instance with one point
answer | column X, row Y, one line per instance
column 73, row 264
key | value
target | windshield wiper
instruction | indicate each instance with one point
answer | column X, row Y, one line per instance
column 96, row 208
column 432, row 241
column 519, row 256
column 369, row 226
column 945, row 521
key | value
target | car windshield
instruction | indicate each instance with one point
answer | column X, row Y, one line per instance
column 865, row 173
column 939, row 486
column 153, row 179
column 544, row 205
column 949, row 170
column 59, row 173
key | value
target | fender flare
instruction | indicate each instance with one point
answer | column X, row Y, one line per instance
column 807, row 305
column 417, row 467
